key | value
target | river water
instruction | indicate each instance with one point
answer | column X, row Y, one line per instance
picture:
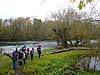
column 89, row 63
column 9, row 47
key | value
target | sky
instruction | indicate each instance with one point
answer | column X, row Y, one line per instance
column 32, row 8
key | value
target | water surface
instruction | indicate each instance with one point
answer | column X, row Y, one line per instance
column 9, row 47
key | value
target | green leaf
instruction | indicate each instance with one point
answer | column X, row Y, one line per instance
column 81, row 5
column 73, row 0
column 89, row 1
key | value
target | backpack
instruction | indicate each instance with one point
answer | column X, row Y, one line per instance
column 20, row 55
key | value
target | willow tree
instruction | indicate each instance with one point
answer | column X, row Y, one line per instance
column 71, row 28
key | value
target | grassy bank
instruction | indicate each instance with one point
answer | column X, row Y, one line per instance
column 52, row 64
column 5, row 64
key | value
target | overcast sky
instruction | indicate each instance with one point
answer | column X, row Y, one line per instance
column 34, row 8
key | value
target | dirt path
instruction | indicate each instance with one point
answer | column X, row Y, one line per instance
column 18, row 70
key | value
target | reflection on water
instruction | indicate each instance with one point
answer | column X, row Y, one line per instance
column 8, row 47
column 89, row 63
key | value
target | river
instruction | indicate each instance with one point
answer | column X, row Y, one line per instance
column 9, row 47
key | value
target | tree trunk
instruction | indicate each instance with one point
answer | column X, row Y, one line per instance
column 65, row 44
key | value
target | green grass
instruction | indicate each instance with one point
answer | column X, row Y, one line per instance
column 56, row 64
column 48, row 51
column 52, row 64
column 5, row 64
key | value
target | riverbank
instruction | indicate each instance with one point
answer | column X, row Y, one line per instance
column 53, row 64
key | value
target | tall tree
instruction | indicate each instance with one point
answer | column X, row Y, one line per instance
column 71, row 28
column 37, row 28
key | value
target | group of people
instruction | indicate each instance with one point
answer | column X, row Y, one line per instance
column 23, row 54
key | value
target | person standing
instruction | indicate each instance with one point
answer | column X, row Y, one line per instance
column 39, row 50
column 14, row 59
column 24, row 59
column 28, row 50
column 32, row 53
column 16, row 53
column 20, row 57
column 23, row 48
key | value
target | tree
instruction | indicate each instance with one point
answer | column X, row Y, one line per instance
column 21, row 28
column 70, row 28
column 0, row 29
column 37, row 25
column 82, row 3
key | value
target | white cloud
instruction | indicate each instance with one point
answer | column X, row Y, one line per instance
column 39, row 8
column 9, row 8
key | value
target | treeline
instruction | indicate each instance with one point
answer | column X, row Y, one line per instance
column 67, row 27
column 22, row 29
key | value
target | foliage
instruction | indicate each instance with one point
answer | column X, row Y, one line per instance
column 69, row 27
column 20, row 29
column 82, row 3
column 37, row 28
column 5, row 64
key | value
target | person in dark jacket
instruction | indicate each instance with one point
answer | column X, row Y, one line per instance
column 39, row 50
column 23, row 48
column 32, row 53
column 20, row 57
column 14, row 59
